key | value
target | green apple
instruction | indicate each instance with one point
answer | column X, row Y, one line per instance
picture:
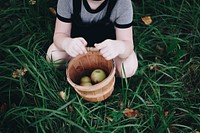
column 85, row 79
column 97, row 75
column 86, row 84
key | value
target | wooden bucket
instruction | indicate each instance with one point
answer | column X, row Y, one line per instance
column 83, row 65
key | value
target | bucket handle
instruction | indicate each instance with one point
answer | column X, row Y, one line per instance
column 92, row 49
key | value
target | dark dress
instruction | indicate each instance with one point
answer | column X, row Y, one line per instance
column 93, row 32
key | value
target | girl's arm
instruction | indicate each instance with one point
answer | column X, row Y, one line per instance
column 62, row 32
column 125, row 38
column 121, row 47
column 62, row 39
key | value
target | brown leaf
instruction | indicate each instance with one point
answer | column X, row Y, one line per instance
column 71, row 109
column 129, row 113
column 52, row 10
column 147, row 20
column 109, row 118
column 166, row 113
column 19, row 72
column 121, row 105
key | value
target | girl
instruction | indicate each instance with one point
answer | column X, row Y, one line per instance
column 103, row 24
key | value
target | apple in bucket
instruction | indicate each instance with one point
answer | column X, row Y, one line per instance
column 97, row 76
column 85, row 79
column 86, row 84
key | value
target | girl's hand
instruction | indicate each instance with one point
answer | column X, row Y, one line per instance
column 110, row 48
column 75, row 46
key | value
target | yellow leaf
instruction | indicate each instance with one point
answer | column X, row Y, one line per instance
column 195, row 132
column 147, row 20
column 63, row 95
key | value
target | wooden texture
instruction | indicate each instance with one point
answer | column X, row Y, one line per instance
column 83, row 65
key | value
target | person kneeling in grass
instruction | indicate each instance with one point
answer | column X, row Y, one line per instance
column 103, row 24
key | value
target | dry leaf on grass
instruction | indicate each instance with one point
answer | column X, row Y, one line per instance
column 109, row 118
column 19, row 72
column 32, row 2
column 52, row 10
column 154, row 67
column 166, row 113
column 195, row 132
column 131, row 113
column 121, row 105
column 63, row 95
column 147, row 20
column 71, row 109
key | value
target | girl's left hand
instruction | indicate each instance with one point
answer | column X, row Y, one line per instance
column 110, row 48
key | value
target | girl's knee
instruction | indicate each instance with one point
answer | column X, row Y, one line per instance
column 127, row 71
column 55, row 54
column 128, row 67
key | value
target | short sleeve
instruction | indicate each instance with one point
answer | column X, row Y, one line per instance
column 123, row 14
column 64, row 10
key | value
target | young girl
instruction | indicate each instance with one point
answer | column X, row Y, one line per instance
column 103, row 24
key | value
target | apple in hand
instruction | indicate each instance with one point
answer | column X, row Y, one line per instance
column 98, row 75
column 86, row 84
column 85, row 79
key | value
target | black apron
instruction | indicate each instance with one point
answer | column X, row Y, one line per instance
column 93, row 32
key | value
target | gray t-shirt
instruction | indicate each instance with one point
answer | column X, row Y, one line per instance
column 121, row 16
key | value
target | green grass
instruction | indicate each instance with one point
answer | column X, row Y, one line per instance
column 165, row 90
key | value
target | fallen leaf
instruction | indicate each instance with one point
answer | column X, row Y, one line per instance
column 52, row 10
column 195, row 132
column 19, row 72
column 166, row 113
column 71, row 109
column 121, row 105
column 129, row 113
column 32, row 2
column 109, row 118
column 154, row 67
column 147, row 20
column 63, row 95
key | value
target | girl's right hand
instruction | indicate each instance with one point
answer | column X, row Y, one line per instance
column 75, row 46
